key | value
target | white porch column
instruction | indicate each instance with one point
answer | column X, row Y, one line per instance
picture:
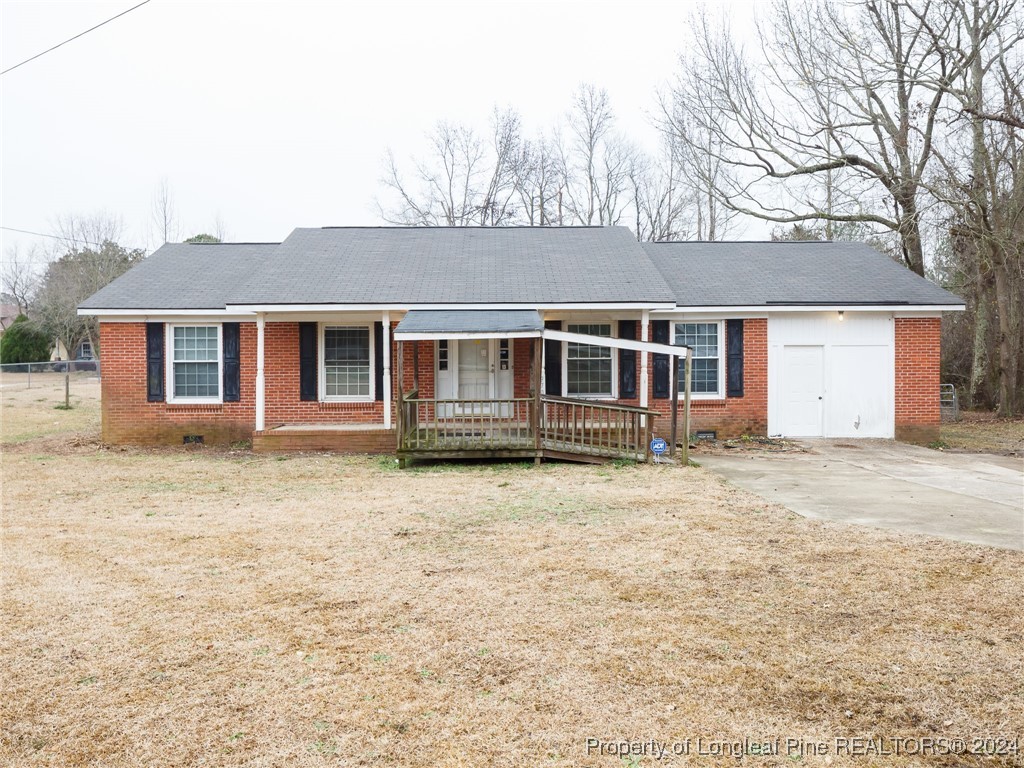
column 386, row 345
column 645, row 335
column 260, row 383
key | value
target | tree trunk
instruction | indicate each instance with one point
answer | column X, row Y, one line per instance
column 1007, row 368
column 979, row 360
column 910, row 231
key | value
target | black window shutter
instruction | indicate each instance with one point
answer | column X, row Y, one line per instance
column 734, row 358
column 155, row 362
column 378, row 358
column 231, row 333
column 307, row 361
column 627, row 361
column 553, row 361
column 659, row 335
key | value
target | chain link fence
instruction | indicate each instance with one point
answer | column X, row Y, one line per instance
column 52, row 374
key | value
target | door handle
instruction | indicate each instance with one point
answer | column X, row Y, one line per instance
column 819, row 397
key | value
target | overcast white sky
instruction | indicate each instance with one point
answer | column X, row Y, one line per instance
column 274, row 115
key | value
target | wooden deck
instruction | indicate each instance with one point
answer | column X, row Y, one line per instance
column 554, row 427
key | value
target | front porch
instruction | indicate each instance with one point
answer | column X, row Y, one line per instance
column 461, row 384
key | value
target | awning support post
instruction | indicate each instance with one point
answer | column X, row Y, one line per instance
column 686, row 407
column 537, row 416
column 260, row 377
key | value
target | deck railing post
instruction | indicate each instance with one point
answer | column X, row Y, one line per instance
column 674, row 380
column 401, row 397
column 537, row 416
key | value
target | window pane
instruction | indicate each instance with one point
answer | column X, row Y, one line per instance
column 347, row 362
column 704, row 376
column 196, row 380
column 589, row 367
column 195, row 357
column 198, row 343
column 703, row 338
column 589, row 377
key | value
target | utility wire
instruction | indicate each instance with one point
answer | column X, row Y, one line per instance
column 60, row 237
column 58, row 45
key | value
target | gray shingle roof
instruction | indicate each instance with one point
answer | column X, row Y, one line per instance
column 723, row 274
column 183, row 276
column 535, row 266
column 435, row 321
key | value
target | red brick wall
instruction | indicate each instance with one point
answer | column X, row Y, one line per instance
column 281, row 376
column 917, row 379
column 129, row 418
column 733, row 416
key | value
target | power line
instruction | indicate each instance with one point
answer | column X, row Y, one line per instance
column 58, row 45
column 60, row 237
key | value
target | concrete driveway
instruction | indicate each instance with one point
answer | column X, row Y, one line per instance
column 973, row 497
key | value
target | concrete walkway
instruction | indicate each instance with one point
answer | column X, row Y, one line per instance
column 972, row 497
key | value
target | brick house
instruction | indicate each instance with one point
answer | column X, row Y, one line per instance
column 494, row 340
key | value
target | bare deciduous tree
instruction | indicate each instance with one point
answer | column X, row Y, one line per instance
column 597, row 161
column 462, row 182
column 74, row 232
column 981, row 181
column 20, row 276
column 841, row 127
column 539, row 179
column 164, row 214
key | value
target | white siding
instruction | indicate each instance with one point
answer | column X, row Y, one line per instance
column 856, row 387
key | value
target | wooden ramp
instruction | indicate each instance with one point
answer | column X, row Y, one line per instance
column 548, row 427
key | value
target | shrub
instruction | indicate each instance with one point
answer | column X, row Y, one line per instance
column 24, row 342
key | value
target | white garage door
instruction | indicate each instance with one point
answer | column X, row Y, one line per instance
column 829, row 377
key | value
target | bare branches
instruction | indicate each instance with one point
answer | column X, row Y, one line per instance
column 19, row 279
column 164, row 214
column 841, row 125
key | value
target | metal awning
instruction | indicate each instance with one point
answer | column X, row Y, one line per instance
column 421, row 324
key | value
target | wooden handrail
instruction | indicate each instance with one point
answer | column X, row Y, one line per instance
column 558, row 425
column 598, row 404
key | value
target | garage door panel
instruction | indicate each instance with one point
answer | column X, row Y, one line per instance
column 856, row 361
column 857, row 404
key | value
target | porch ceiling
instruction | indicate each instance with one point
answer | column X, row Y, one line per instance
column 469, row 324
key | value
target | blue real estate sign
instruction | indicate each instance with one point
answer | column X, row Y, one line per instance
column 658, row 446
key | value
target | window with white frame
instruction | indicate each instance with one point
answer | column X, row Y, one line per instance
column 195, row 362
column 704, row 339
column 85, row 351
column 588, row 368
column 346, row 361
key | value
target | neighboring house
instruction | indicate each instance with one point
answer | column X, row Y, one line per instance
column 510, row 340
column 8, row 314
column 83, row 351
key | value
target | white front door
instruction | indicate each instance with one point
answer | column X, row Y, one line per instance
column 803, row 389
column 475, row 380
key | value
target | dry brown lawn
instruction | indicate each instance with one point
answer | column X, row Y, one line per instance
column 219, row 608
column 986, row 433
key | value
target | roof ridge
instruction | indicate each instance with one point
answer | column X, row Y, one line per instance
column 474, row 227
column 756, row 242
